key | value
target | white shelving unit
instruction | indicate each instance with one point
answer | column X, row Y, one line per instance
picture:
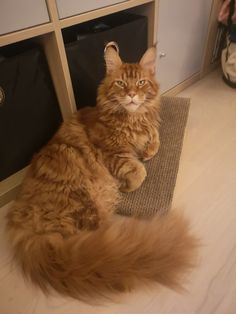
column 49, row 35
column 48, row 32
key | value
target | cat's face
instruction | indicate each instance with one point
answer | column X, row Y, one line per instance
column 129, row 87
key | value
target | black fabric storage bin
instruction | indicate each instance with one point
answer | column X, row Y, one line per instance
column 85, row 50
column 29, row 111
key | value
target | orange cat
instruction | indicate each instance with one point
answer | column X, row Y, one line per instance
column 63, row 228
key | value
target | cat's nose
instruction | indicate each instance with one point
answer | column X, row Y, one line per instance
column 132, row 93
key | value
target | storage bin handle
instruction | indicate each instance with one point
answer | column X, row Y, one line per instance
column 112, row 44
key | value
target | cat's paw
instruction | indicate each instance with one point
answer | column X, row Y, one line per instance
column 133, row 179
column 150, row 151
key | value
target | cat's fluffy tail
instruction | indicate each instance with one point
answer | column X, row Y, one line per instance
column 113, row 258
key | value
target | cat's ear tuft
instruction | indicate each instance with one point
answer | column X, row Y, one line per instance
column 148, row 60
column 112, row 58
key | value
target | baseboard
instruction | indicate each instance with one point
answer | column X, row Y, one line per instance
column 210, row 68
column 191, row 80
column 183, row 85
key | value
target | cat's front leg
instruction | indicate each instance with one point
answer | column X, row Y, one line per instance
column 150, row 150
column 131, row 175
column 128, row 170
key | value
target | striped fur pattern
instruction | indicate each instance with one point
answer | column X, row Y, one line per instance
column 63, row 229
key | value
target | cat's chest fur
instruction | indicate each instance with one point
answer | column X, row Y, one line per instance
column 134, row 133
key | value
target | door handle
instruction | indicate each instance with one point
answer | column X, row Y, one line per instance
column 162, row 54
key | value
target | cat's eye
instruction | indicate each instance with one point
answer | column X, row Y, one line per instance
column 141, row 82
column 120, row 83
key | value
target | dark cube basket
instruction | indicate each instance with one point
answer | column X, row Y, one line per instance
column 29, row 111
column 85, row 50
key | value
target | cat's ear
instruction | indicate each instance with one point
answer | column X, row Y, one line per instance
column 112, row 58
column 148, row 60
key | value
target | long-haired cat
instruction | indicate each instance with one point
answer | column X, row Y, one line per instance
column 63, row 228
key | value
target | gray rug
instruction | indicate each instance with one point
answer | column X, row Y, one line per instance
column 156, row 192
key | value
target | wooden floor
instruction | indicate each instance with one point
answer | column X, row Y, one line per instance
column 205, row 191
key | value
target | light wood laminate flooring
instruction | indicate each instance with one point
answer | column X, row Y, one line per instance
column 205, row 191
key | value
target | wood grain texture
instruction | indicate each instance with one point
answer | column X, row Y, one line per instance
column 205, row 190
column 207, row 65
column 14, row 37
column 83, row 17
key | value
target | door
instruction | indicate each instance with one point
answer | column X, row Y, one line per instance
column 182, row 31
